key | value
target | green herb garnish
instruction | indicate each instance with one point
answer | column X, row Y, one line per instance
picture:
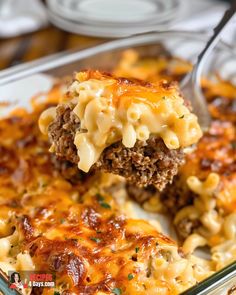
column 56, row 293
column 102, row 203
column 181, row 117
column 130, row 276
column 136, row 249
column 105, row 205
column 116, row 291
column 97, row 240
column 62, row 220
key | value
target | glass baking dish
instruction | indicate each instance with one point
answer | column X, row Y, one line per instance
column 31, row 78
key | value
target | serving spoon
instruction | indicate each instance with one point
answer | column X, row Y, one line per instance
column 191, row 85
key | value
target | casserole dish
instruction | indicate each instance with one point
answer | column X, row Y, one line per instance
column 38, row 76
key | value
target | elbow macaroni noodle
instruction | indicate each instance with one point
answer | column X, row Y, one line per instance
column 224, row 253
column 193, row 242
column 230, row 226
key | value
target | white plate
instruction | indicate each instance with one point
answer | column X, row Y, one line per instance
column 101, row 31
column 116, row 12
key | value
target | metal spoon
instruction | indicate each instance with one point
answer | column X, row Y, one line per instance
column 191, row 84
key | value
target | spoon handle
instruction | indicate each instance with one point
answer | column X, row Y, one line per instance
column 229, row 13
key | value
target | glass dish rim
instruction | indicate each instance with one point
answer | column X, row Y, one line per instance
column 66, row 57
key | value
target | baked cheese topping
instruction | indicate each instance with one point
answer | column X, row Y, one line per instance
column 77, row 229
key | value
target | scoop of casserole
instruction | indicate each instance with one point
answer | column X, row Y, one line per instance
column 127, row 127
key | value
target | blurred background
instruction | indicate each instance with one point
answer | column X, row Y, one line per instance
column 30, row 29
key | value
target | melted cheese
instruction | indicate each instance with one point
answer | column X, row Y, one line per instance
column 113, row 109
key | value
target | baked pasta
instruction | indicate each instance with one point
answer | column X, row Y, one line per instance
column 83, row 225
column 202, row 197
column 79, row 228
column 126, row 127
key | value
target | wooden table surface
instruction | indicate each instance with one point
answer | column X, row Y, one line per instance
column 42, row 43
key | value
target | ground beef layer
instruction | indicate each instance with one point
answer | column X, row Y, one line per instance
column 147, row 163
